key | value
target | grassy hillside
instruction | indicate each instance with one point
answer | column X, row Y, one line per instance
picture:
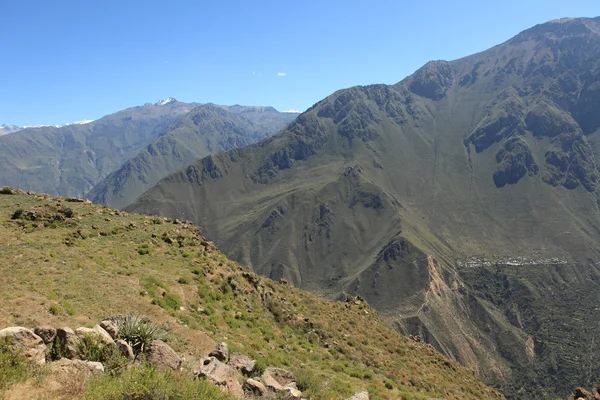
column 70, row 263
column 205, row 130
column 396, row 193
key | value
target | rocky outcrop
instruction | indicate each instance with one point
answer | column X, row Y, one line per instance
column 27, row 342
column 278, row 379
column 111, row 328
column 163, row 355
column 96, row 331
column 252, row 387
column 242, row 363
column 360, row 396
column 68, row 340
column 47, row 333
column 220, row 374
column 221, row 352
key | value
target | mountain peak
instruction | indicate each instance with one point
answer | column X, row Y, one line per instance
column 165, row 101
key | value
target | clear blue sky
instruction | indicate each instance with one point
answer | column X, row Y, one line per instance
column 65, row 60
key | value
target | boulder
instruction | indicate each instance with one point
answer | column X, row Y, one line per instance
column 47, row 333
column 125, row 348
column 278, row 379
column 242, row 363
column 581, row 393
column 31, row 345
column 97, row 331
column 77, row 366
column 111, row 328
column 69, row 340
column 221, row 352
column 163, row 355
column 291, row 393
column 221, row 375
column 360, row 396
column 253, row 387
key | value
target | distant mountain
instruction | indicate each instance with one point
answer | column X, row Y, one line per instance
column 69, row 160
column 205, row 130
column 6, row 129
column 461, row 202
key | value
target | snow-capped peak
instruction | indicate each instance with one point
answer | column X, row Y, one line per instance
column 293, row 111
column 166, row 101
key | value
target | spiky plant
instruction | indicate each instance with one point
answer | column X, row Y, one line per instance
column 139, row 332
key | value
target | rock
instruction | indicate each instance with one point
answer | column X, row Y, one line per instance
column 291, row 393
column 163, row 355
column 29, row 343
column 254, row 388
column 221, row 352
column 97, row 331
column 278, row 379
column 47, row 333
column 242, row 363
column 221, row 375
column 581, row 393
column 67, row 338
column 111, row 328
column 73, row 366
column 125, row 348
column 360, row 396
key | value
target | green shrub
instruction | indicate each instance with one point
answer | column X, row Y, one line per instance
column 183, row 280
column 57, row 349
column 6, row 190
column 145, row 248
column 18, row 213
column 139, row 332
column 92, row 348
column 54, row 309
column 146, row 382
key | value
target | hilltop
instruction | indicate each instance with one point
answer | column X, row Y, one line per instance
column 66, row 262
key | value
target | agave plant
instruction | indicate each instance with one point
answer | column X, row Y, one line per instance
column 139, row 332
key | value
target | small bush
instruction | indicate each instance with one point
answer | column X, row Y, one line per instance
column 54, row 309
column 6, row 190
column 68, row 212
column 91, row 348
column 144, row 249
column 183, row 280
column 147, row 382
column 139, row 332
column 18, row 213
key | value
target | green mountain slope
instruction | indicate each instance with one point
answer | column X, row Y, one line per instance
column 65, row 263
column 205, row 130
column 69, row 160
column 461, row 202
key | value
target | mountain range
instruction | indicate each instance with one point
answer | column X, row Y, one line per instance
column 6, row 129
column 461, row 202
column 70, row 160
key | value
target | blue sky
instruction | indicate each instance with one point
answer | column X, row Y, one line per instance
column 65, row 61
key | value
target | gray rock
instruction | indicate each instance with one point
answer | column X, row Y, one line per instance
column 278, row 379
column 97, row 331
column 221, row 352
column 242, row 363
column 221, row 375
column 111, row 328
column 163, row 355
column 360, row 396
column 47, row 333
column 291, row 393
column 31, row 345
column 67, row 338
column 125, row 348
column 73, row 367
column 254, row 388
